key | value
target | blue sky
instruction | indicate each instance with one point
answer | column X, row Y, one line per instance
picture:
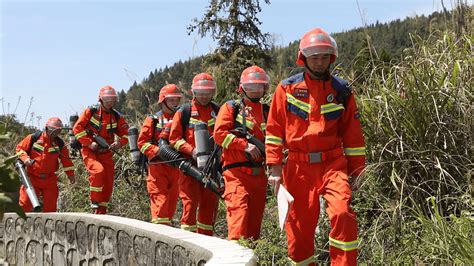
column 61, row 52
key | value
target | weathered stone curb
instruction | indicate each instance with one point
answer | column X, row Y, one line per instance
column 88, row 239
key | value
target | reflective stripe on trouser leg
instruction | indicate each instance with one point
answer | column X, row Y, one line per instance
column 337, row 193
column 190, row 193
column 245, row 202
column 303, row 181
column 162, row 186
column 207, row 211
column 96, row 174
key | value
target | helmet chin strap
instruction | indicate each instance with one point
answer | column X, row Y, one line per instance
column 203, row 104
column 316, row 74
column 173, row 109
column 254, row 100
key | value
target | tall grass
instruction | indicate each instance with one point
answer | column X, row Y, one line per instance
column 418, row 128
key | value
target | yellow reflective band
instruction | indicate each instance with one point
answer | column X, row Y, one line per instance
column 303, row 262
column 209, row 227
column 38, row 146
column 161, row 221
column 53, row 149
column 70, row 168
column 95, row 121
column 240, row 119
column 158, row 125
column 144, row 147
column 211, row 122
column 273, row 140
column 95, row 189
column 263, row 126
column 300, row 104
column 178, row 144
column 113, row 125
column 331, row 107
column 228, row 140
column 194, row 121
column 357, row 151
column 21, row 152
column 104, row 204
column 124, row 137
column 346, row 246
column 80, row 134
column 191, row 228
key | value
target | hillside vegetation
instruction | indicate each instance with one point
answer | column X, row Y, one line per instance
column 413, row 80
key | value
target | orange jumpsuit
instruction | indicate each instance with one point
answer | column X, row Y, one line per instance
column 42, row 172
column 325, row 144
column 100, row 164
column 245, row 181
column 192, row 193
column 162, row 180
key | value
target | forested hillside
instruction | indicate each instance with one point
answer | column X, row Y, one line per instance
column 413, row 79
column 387, row 41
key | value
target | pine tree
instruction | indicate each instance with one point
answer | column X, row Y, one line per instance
column 234, row 25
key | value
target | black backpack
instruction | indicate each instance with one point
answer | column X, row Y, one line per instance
column 35, row 136
column 76, row 145
column 186, row 114
column 236, row 106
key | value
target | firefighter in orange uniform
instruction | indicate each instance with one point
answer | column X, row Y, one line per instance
column 96, row 123
column 40, row 153
column 314, row 115
column 192, row 193
column 162, row 181
column 245, row 179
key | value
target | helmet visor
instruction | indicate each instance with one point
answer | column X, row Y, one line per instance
column 109, row 98
column 204, row 85
column 204, row 92
column 320, row 49
column 254, row 87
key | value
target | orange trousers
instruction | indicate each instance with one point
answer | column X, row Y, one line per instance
column 47, row 188
column 194, row 196
column 306, row 182
column 101, row 177
column 162, row 185
column 245, row 201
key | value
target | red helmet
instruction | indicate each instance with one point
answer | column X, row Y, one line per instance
column 253, row 75
column 203, row 81
column 107, row 94
column 54, row 123
column 170, row 90
column 314, row 42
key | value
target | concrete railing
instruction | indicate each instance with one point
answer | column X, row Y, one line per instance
column 88, row 239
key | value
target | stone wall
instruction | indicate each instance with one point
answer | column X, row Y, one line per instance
column 88, row 239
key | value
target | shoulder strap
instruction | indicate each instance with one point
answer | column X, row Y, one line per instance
column 116, row 114
column 293, row 79
column 215, row 107
column 154, row 121
column 266, row 111
column 60, row 142
column 343, row 89
column 185, row 116
column 235, row 107
column 34, row 137
column 93, row 109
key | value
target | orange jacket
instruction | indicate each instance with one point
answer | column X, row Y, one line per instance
column 306, row 116
column 103, row 123
column 233, row 146
column 184, row 141
column 46, row 154
column 147, row 142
